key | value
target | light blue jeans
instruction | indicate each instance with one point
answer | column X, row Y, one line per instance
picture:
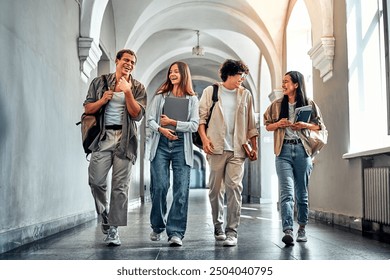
column 293, row 167
column 170, row 152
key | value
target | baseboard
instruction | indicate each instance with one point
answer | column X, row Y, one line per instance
column 250, row 199
column 377, row 231
column 336, row 219
column 15, row 238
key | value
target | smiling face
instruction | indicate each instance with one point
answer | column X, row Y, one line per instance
column 233, row 82
column 125, row 65
column 174, row 75
column 288, row 86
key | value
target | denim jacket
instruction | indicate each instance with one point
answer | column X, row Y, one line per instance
column 129, row 141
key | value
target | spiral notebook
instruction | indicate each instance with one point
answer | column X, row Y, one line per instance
column 176, row 109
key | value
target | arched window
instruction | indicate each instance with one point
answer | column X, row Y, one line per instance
column 368, row 97
column 298, row 44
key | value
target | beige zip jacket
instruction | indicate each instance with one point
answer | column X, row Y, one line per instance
column 245, row 122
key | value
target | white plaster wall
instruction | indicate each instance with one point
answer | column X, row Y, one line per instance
column 336, row 183
column 43, row 170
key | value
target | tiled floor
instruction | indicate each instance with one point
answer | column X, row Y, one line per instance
column 259, row 239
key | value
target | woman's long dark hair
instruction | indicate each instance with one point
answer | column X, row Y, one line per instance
column 300, row 98
column 185, row 81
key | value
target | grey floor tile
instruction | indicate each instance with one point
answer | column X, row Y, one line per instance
column 259, row 238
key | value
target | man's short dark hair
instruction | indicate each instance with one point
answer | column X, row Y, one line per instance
column 121, row 52
column 231, row 68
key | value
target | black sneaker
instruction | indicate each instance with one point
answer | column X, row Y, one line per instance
column 288, row 237
column 105, row 226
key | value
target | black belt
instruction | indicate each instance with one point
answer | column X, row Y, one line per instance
column 292, row 141
column 114, row 127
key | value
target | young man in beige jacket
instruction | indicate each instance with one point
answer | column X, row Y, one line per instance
column 232, row 124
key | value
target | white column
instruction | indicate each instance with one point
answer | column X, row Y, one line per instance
column 89, row 54
column 322, row 55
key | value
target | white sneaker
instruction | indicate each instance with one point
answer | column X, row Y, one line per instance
column 154, row 236
column 219, row 234
column 175, row 241
column 301, row 236
column 112, row 237
column 230, row 241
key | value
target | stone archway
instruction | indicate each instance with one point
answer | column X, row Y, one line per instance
column 91, row 16
column 198, row 172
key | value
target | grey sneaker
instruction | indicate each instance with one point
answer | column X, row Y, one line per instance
column 219, row 234
column 105, row 226
column 301, row 235
column 230, row 241
column 154, row 236
column 112, row 237
column 288, row 237
column 175, row 241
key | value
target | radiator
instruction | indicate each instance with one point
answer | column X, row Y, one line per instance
column 377, row 195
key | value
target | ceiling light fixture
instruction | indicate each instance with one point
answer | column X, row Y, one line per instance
column 198, row 50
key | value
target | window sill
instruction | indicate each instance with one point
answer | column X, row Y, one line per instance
column 367, row 153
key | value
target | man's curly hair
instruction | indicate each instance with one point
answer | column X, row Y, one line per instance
column 231, row 68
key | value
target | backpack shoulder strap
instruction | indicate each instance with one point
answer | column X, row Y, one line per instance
column 104, row 88
column 215, row 93
column 215, row 99
column 215, row 96
column 104, row 78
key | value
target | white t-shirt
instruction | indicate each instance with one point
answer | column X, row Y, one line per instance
column 115, row 109
column 229, row 107
column 291, row 134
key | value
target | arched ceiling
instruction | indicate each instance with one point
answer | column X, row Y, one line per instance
column 162, row 31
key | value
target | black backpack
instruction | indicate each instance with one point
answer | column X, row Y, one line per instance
column 195, row 135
